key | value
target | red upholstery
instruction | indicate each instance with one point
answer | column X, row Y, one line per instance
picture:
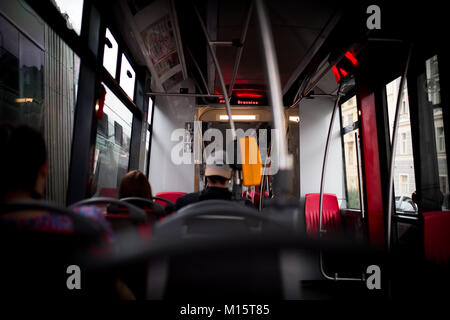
column 171, row 196
column 437, row 236
column 107, row 192
column 331, row 219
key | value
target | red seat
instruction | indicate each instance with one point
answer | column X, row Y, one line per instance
column 171, row 196
column 437, row 236
column 331, row 218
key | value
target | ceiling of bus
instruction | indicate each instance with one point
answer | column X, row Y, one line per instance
column 295, row 26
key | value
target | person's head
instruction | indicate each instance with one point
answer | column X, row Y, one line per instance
column 217, row 171
column 135, row 184
column 23, row 162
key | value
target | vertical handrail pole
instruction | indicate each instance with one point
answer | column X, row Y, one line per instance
column 273, row 77
column 322, row 180
column 219, row 74
column 393, row 148
column 360, row 179
column 325, row 158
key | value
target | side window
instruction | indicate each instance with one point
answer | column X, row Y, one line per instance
column 127, row 77
column 149, row 135
column 112, row 144
column 350, row 137
column 32, row 92
column 72, row 10
column 126, row 74
column 404, row 178
column 110, row 53
column 433, row 102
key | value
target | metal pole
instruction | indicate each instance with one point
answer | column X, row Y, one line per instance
column 221, row 43
column 199, row 95
column 199, row 71
column 325, row 157
column 316, row 81
column 273, row 78
column 393, row 148
column 240, row 49
column 324, row 164
column 358, row 158
column 219, row 74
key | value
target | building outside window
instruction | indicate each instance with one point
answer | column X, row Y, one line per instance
column 434, row 100
column 349, row 116
column 403, row 143
column 404, row 190
column 440, row 139
column 404, row 178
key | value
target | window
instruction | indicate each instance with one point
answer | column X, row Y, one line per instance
column 404, row 190
column 349, row 119
column 349, row 112
column 404, row 180
column 72, row 10
column 110, row 53
column 440, row 139
column 113, row 149
column 150, row 112
column 149, row 135
column 403, row 143
column 434, row 103
column 350, row 153
column 432, row 82
column 443, row 183
column 147, row 152
column 403, row 110
column 127, row 77
column 32, row 93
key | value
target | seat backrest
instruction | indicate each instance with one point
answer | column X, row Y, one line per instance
column 437, row 236
column 34, row 259
column 108, row 192
column 171, row 196
column 331, row 218
column 214, row 217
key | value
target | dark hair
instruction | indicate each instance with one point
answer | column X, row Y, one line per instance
column 23, row 154
column 135, row 184
column 217, row 179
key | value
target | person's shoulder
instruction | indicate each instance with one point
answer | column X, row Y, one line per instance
column 186, row 199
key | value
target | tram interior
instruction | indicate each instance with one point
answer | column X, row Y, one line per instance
column 144, row 85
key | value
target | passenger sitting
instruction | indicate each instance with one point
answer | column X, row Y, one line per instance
column 24, row 172
column 135, row 184
column 217, row 174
